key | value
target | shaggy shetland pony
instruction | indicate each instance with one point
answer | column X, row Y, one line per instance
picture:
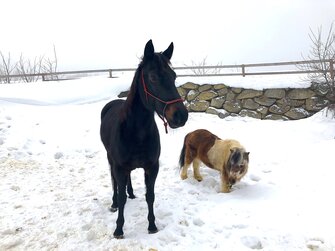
column 229, row 157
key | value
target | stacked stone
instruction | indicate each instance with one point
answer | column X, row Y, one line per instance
column 277, row 104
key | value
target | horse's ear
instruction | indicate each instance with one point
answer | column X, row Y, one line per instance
column 149, row 50
column 168, row 52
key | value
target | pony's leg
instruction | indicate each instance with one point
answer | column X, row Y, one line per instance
column 183, row 174
column 130, row 188
column 225, row 186
column 196, row 172
column 121, row 178
column 150, row 176
column 188, row 161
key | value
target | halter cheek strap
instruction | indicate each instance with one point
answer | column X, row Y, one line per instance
column 162, row 117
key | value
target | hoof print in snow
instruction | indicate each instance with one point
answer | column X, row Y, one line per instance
column 198, row 222
column 58, row 155
column 251, row 242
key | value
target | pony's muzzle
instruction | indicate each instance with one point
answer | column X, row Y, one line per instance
column 176, row 115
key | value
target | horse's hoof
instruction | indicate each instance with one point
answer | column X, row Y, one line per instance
column 116, row 236
column 112, row 209
column 132, row 196
column 152, row 229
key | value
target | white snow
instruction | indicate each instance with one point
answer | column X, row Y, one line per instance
column 56, row 189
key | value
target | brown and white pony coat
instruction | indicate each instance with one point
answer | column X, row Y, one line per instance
column 229, row 157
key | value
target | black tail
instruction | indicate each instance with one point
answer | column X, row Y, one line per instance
column 182, row 155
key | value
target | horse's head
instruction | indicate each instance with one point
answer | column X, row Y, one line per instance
column 237, row 164
column 157, row 89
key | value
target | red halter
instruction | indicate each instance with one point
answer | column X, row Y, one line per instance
column 160, row 100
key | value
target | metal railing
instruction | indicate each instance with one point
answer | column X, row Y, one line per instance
column 188, row 71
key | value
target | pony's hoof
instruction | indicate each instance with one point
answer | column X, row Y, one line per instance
column 132, row 196
column 112, row 209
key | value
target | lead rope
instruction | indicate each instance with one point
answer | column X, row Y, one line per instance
column 162, row 117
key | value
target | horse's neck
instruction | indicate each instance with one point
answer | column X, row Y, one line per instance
column 136, row 114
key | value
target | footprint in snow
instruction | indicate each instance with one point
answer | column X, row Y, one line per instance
column 252, row 242
column 254, row 177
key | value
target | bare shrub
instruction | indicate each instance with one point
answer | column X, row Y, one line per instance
column 6, row 68
column 28, row 70
column 322, row 55
column 49, row 66
column 201, row 68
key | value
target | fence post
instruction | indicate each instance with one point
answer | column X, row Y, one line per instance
column 110, row 73
column 43, row 77
column 243, row 70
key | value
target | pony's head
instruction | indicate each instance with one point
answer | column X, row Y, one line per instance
column 157, row 86
column 238, row 163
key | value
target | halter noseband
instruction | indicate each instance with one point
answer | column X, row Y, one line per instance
column 160, row 100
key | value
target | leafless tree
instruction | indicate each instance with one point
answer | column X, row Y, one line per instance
column 50, row 66
column 28, row 68
column 6, row 68
column 202, row 70
column 322, row 52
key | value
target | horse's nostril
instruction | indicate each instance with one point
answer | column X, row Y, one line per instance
column 180, row 117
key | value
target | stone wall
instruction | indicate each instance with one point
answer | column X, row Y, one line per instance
column 283, row 104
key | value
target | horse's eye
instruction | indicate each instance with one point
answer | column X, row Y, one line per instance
column 153, row 77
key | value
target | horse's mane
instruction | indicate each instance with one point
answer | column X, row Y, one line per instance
column 160, row 59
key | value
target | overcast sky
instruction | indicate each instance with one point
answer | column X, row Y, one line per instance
column 108, row 33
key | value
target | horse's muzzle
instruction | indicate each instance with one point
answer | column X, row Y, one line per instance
column 176, row 115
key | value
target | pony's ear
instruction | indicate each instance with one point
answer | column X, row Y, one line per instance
column 168, row 52
column 149, row 50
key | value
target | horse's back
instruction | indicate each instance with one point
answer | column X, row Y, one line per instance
column 112, row 107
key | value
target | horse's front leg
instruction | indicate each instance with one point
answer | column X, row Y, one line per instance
column 150, row 179
column 122, row 179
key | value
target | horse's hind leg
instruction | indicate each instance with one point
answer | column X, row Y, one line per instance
column 130, row 188
column 114, row 206
column 150, row 178
column 122, row 179
column 196, row 172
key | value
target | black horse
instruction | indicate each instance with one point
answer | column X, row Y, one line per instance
column 129, row 131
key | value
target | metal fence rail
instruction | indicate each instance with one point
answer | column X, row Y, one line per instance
column 191, row 71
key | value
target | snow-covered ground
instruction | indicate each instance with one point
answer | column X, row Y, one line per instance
column 55, row 183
